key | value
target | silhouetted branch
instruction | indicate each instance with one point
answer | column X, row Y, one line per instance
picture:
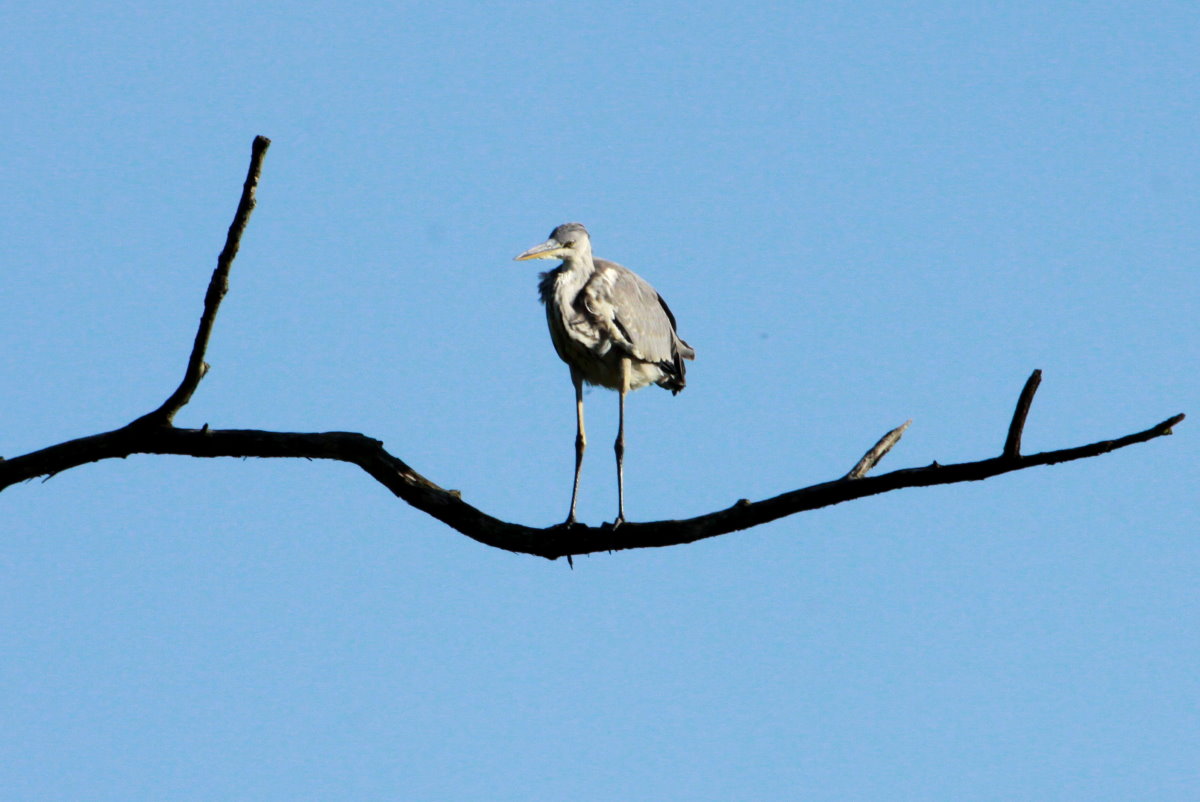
column 155, row 433
column 557, row 541
column 218, row 285
column 1012, row 443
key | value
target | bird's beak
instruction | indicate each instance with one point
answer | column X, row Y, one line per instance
column 550, row 249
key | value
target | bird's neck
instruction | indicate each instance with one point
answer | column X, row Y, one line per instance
column 559, row 287
column 579, row 263
column 574, row 273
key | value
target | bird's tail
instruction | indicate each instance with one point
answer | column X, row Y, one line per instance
column 674, row 372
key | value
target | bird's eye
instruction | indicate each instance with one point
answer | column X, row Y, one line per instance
column 570, row 244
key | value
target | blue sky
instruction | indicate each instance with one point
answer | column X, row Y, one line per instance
column 860, row 213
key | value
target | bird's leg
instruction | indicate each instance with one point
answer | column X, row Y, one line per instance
column 619, row 446
column 580, row 441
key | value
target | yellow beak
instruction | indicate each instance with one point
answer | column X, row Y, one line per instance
column 550, row 249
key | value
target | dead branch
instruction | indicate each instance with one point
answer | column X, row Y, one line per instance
column 877, row 452
column 218, row 285
column 1012, row 443
column 155, row 433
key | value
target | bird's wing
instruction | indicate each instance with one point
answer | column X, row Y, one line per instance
column 685, row 351
column 630, row 312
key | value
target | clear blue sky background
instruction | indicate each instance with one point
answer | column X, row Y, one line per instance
column 860, row 213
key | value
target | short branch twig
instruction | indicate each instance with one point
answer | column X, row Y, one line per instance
column 1012, row 444
column 218, row 285
column 877, row 452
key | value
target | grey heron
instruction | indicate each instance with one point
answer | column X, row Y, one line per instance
column 611, row 328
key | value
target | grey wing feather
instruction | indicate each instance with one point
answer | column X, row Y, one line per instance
column 639, row 321
column 635, row 316
column 685, row 351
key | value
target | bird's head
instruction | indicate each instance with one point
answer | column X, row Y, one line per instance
column 567, row 242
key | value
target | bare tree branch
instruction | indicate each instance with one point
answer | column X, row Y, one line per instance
column 877, row 452
column 218, row 285
column 154, row 433
column 556, row 541
column 1012, row 444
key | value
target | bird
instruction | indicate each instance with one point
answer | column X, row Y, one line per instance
column 611, row 328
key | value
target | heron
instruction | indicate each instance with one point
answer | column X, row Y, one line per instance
column 611, row 328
